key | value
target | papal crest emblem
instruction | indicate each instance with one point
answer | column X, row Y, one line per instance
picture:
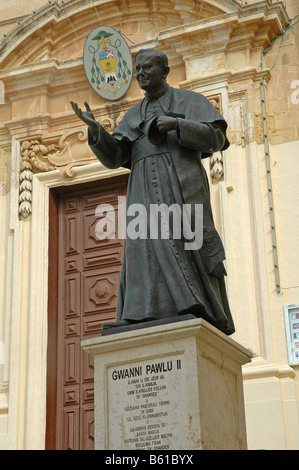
column 108, row 62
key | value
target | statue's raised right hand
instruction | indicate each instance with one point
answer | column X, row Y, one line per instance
column 86, row 116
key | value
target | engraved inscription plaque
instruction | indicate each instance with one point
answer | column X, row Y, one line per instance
column 146, row 404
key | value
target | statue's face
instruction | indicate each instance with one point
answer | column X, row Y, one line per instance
column 149, row 73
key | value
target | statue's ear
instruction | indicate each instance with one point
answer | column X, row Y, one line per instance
column 166, row 72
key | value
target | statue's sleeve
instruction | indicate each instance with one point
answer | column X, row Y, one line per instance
column 204, row 137
column 111, row 152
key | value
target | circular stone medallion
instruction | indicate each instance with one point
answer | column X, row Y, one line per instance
column 108, row 62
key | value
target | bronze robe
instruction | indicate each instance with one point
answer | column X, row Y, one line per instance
column 160, row 278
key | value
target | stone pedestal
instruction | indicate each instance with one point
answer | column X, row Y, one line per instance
column 177, row 386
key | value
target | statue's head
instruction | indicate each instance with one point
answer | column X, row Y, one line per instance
column 151, row 69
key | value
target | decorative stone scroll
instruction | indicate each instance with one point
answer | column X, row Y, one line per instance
column 216, row 160
column 216, row 167
column 34, row 159
column 69, row 151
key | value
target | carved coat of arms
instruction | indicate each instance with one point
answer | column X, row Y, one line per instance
column 108, row 62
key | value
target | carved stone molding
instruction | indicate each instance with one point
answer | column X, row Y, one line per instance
column 34, row 160
column 273, row 132
column 72, row 150
column 216, row 167
column 216, row 160
column 69, row 151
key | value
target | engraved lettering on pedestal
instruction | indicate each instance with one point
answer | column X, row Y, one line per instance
column 145, row 404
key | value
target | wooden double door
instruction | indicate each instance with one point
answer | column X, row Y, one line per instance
column 84, row 274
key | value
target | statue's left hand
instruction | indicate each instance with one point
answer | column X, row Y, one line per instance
column 167, row 123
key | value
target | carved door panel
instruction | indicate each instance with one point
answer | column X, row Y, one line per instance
column 88, row 278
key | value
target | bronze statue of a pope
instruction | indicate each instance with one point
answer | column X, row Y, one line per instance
column 163, row 140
